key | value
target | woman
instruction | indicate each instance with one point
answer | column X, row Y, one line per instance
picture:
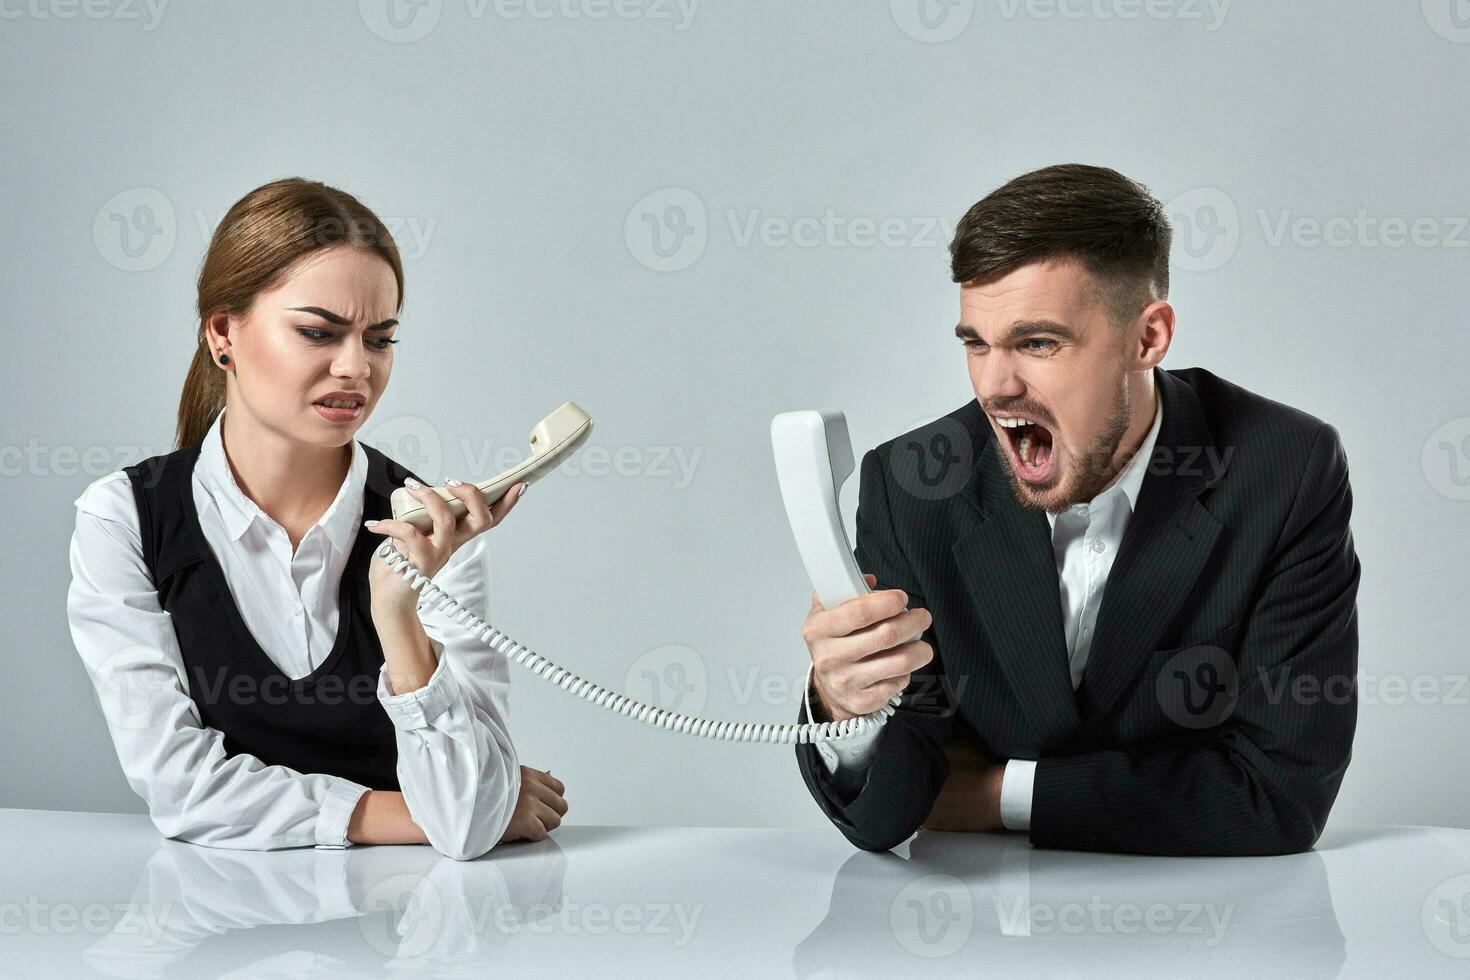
column 268, row 681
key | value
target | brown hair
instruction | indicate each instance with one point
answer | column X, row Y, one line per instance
column 261, row 235
column 1113, row 225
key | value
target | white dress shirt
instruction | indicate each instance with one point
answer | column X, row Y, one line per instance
column 457, row 768
column 1085, row 539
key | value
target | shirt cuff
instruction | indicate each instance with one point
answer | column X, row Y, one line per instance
column 336, row 812
column 1016, row 784
column 418, row 709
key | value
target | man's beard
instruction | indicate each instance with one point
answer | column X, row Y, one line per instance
column 1084, row 475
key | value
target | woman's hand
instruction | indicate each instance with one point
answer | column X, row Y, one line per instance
column 539, row 807
column 430, row 552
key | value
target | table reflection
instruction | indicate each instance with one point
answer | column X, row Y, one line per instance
column 992, row 901
column 407, row 905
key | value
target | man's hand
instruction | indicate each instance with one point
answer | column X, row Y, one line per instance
column 970, row 799
column 863, row 650
column 539, row 807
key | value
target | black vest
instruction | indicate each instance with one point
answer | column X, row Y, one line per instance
column 329, row 721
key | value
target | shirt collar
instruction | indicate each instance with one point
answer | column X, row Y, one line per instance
column 239, row 511
column 1129, row 480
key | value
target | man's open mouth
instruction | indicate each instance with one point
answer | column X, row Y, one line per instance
column 1030, row 448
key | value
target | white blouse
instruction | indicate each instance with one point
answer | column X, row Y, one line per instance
column 457, row 767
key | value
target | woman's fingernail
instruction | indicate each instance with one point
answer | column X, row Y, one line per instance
column 369, row 523
column 522, row 491
column 451, row 483
column 412, row 484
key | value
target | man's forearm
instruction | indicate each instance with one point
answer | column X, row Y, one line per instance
column 382, row 817
column 970, row 798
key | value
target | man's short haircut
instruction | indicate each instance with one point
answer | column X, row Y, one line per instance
column 1111, row 224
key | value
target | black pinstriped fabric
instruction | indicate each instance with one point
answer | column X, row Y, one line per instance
column 1216, row 712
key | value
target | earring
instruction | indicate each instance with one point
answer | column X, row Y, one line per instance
column 224, row 358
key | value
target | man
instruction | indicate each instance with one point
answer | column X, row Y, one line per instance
column 1136, row 588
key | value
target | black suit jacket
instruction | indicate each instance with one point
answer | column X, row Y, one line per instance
column 1217, row 708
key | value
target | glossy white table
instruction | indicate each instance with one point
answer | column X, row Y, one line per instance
column 103, row 894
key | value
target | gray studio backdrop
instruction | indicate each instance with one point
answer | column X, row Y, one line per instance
column 689, row 218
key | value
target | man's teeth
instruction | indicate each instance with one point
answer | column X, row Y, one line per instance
column 1023, row 447
column 334, row 403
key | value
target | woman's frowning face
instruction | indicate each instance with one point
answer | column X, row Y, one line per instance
column 324, row 333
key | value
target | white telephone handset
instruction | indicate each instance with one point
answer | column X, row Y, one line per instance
column 809, row 483
column 554, row 437
column 813, row 460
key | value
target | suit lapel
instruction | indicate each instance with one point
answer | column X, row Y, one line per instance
column 1007, row 564
column 1010, row 572
column 1167, row 542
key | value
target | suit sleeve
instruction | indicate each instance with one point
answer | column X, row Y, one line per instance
column 909, row 765
column 1263, row 780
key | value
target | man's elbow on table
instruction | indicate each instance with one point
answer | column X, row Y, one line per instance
column 1289, row 829
column 875, row 838
column 1289, row 825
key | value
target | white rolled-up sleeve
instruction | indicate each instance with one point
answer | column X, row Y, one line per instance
column 457, row 766
column 179, row 767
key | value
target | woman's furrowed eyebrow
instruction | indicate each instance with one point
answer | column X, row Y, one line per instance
column 338, row 319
